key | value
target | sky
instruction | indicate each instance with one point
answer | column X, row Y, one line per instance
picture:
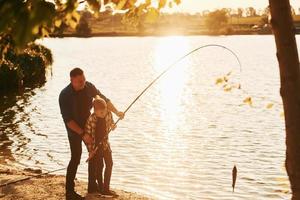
column 200, row 5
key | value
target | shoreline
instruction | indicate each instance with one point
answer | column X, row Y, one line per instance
column 50, row 186
column 157, row 34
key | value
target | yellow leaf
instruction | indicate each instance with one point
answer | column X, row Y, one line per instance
column 76, row 15
column 270, row 105
column 219, row 81
column 121, row 4
column 95, row 5
column 248, row 101
column 148, row 2
column 152, row 15
column 229, row 73
column 35, row 30
column 162, row 3
column 44, row 32
column 227, row 88
column 177, row 1
column 57, row 23
column 72, row 23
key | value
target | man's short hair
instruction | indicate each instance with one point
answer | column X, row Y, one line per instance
column 76, row 72
column 99, row 103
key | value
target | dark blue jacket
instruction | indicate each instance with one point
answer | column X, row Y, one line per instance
column 76, row 105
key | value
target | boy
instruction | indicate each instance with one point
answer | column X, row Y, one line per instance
column 97, row 126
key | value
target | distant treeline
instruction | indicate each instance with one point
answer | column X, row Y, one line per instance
column 222, row 21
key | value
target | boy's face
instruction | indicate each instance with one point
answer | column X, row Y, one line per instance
column 100, row 112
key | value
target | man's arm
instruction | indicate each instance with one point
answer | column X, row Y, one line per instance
column 75, row 127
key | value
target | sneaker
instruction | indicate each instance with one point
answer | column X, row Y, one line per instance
column 73, row 196
column 109, row 193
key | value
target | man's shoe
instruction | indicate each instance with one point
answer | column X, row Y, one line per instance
column 93, row 190
column 73, row 196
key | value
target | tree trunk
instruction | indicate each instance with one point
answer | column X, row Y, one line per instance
column 287, row 55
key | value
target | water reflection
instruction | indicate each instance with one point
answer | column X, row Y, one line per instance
column 172, row 85
column 15, row 122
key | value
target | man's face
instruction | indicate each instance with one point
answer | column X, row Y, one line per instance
column 78, row 82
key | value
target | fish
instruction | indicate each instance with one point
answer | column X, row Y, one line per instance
column 234, row 175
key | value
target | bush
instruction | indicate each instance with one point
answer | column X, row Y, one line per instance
column 25, row 68
column 10, row 76
column 33, row 66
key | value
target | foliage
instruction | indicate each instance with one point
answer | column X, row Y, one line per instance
column 28, row 20
column 23, row 68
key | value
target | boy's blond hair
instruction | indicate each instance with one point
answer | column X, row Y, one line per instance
column 99, row 103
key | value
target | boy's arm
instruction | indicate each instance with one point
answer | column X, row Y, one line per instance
column 111, row 107
column 112, row 123
column 88, row 129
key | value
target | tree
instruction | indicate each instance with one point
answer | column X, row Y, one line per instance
column 250, row 12
column 83, row 28
column 216, row 21
column 287, row 55
column 293, row 11
column 240, row 12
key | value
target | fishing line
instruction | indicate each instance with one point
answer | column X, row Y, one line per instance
column 133, row 102
column 164, row 72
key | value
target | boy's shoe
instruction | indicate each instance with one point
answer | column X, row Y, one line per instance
column 109, row 193
column 73, row 196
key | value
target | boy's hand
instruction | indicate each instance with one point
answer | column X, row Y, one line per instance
column 120, row 115
column 113, row 127
column 87, row 139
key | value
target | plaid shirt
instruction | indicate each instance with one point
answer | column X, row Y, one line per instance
column 90, row 128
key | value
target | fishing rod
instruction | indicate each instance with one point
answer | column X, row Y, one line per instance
column 133, row 102
column 30, row 177
column 92, row 154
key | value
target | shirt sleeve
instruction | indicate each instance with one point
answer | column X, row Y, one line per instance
column 94, row 91
column 88, row 126
column 65, row 108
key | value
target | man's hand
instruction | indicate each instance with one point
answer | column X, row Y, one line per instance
column 87, row 139
column 120, row 114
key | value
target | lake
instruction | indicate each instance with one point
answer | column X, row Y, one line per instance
column 181, row 139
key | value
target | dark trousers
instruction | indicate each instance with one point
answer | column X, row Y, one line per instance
column 76, row 150
column 95, row 170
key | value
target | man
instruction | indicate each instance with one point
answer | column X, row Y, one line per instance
column 75, row 102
